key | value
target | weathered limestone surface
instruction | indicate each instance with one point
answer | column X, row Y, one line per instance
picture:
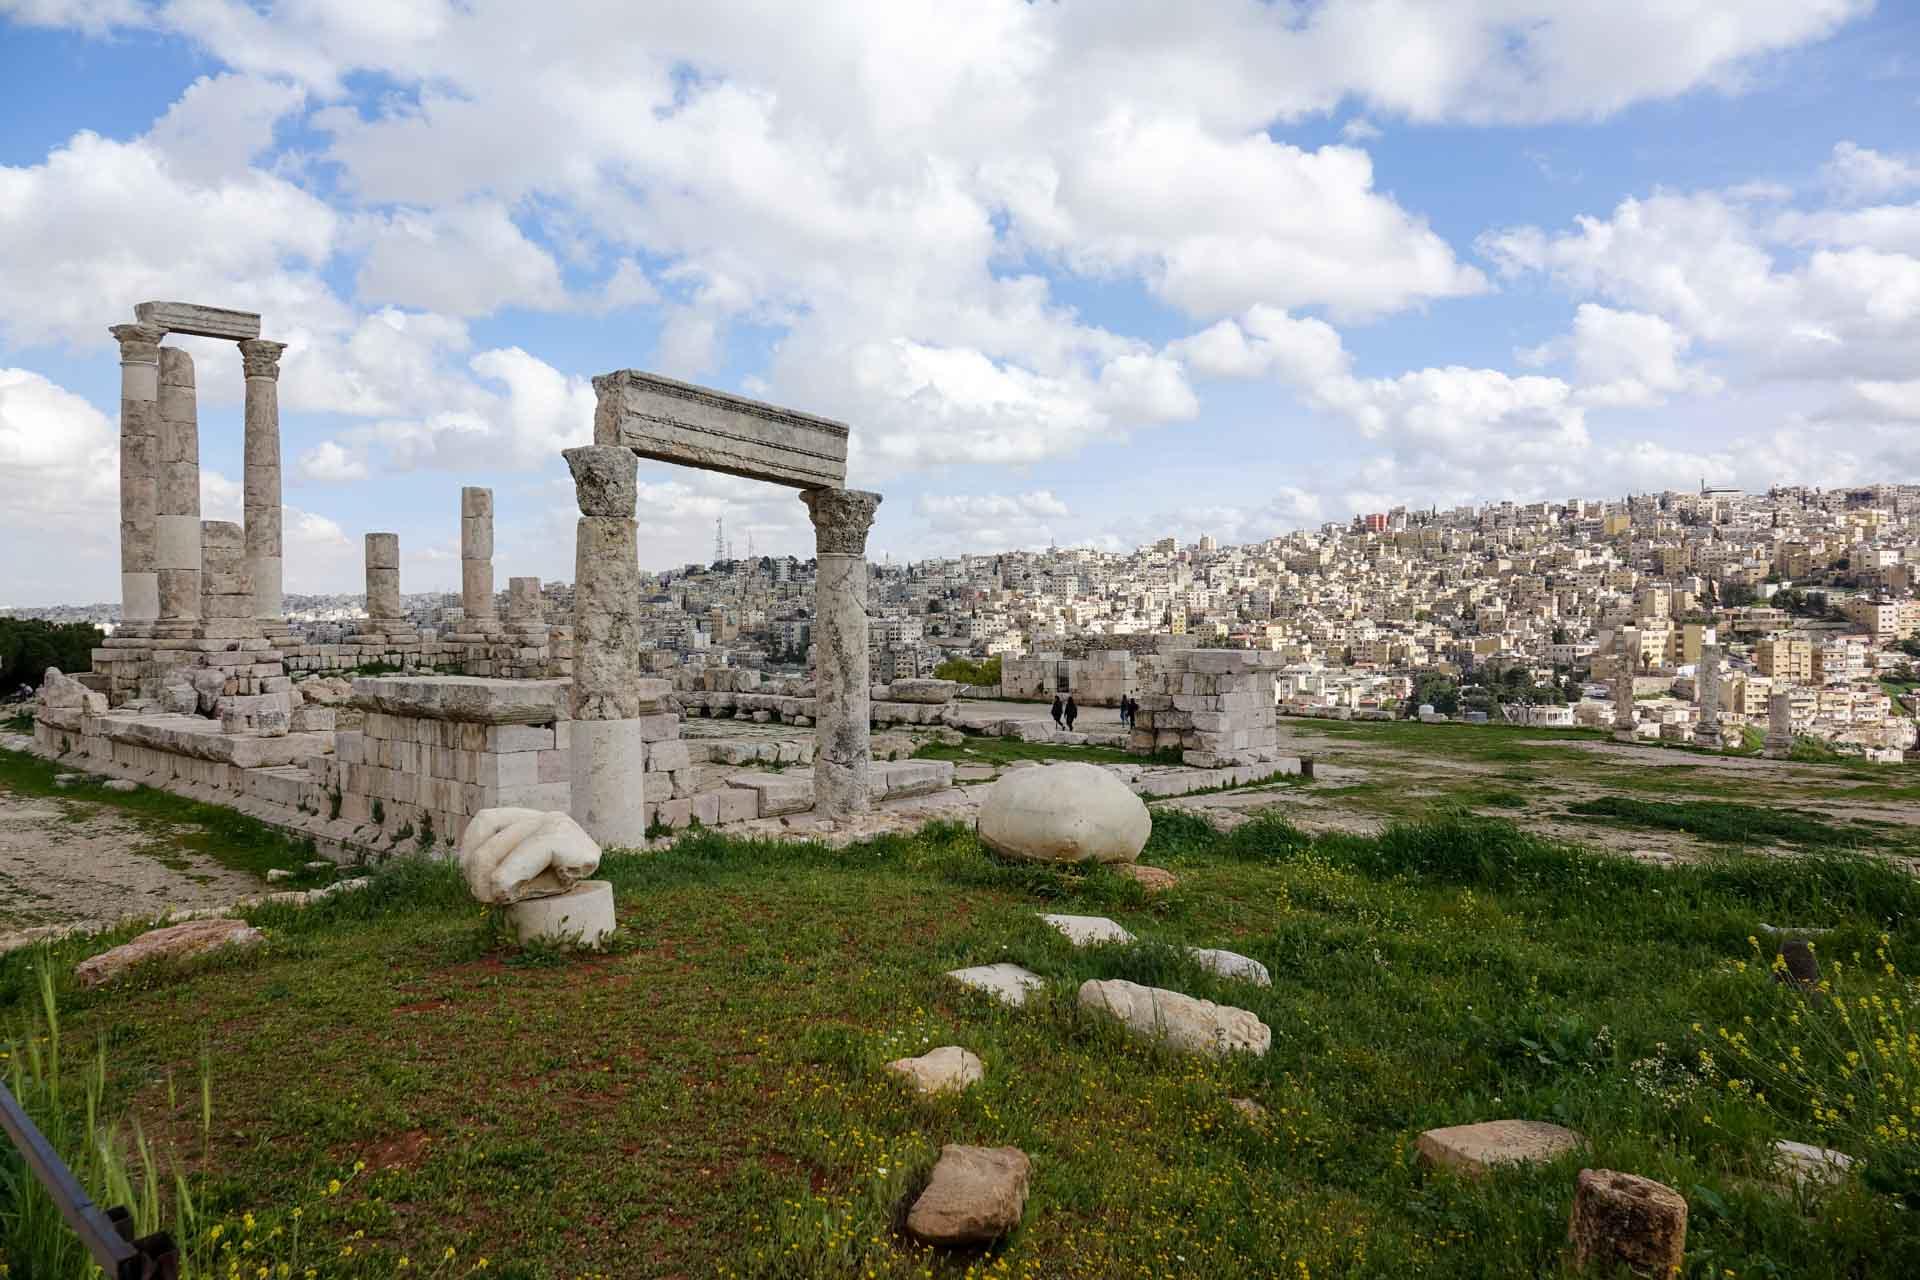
column 1779, row 743
column 260, row 360
column 174, row 942
column 205, row 322
column 226, row 581
column 843, row 757
column 139, row 472
column 976, row 1195
column 608, row 689
column 609, row 780
column 508, row 855
column 1089, row 931
column 1624, row 1219
column 1231, row 965
column 470, row 699
column 1477, row 1148
column 1195, row 1026
column 177, row 525
column 1072, row 812
column 948, row 1069
column 673, row 421
column 604, row 479
column 1809, row 1166
column 1007, row 983
column 581, row 917
column 383, row 580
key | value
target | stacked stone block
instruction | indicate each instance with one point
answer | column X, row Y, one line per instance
column 1214, row 706
column 177, row 498
column 139, row 474
column 476, row 560
column 260, row 361
column 385, row 619
column 226, row 582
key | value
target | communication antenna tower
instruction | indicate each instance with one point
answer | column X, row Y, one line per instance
column 719, row 539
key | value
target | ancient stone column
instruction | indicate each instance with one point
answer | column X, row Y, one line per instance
column 177, row 526
column 843, row 751
column 261, row 360
column 1623, row 718
column 226, row 581
column 608, row 747
column 383, row 582
column 1779, row 744
column 476, row 559
column 1707, row 677
column 525, row 610
column 139, row 473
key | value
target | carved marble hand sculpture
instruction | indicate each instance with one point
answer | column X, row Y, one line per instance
column 509, row 855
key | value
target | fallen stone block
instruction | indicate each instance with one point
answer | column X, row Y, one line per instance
column 976, row 1195
column 1064, row 813
column 468, row 699
column 195, row 937
column 1624, row 1219
column 948, row 1069
column 1008, row 983
column 1089, row 931
column 1182, row 1022
column 1475, row 1149
column 1231, row 964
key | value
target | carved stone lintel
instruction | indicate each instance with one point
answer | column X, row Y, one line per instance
column 261, row 358
column 139, row 343
column 841, row 518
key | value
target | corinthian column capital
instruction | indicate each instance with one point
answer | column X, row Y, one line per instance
column 139, row 343
column 841, row 518
column 261, row 358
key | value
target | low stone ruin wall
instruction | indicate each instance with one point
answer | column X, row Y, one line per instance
column 1214, row 706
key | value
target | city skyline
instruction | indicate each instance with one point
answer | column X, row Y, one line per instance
column 1081, row 280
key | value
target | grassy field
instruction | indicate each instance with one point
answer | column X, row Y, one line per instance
column 395, row 1092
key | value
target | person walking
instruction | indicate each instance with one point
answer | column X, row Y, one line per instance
column 1072, row 713
column 1056, row 710
column 1126, row 711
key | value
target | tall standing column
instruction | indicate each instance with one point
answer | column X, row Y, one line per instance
column 177, row 527
column 261, row 360
column 139, row 474
column 843, row 751
column 476, row 559
column 1707, row 677
column 383, row 583
column 607, row 747
column 1623, row 716
column 1779, row 743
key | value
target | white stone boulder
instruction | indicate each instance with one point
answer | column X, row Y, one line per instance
column 1194, row 1026
column 948, row 1069
column 509, row 855
column 580, row 917
column 1810, row 1166
column 195, row 937
column 1008, row 983
column 923, row 691
column 1089, row 931
column 1064, row 813
column 1476, row 1149
column 1231, row 964
column 976, row 1195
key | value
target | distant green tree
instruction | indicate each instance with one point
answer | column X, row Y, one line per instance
column 1438, row 690
column 967, row 671
column 28, row 646
column 1737, row 595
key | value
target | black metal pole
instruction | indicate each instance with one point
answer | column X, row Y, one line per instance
column 107, row 1236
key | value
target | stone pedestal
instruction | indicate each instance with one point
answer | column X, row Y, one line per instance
column 139, row 475
column 580, row 917
column 261, row 360
column 177, row 524
column 609, row 747
column 476, row 559
column 843, row 755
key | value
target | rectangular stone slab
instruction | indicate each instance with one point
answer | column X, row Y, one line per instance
column 671, row 421
column 468, row 699
column 207, row 322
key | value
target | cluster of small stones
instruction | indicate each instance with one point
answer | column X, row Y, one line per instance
column 1214, row 706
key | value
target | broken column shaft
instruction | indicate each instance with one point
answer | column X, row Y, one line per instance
column 177, row 523
column 843, row 752
column 476, row 559
column 139, row 473
column 608, row 746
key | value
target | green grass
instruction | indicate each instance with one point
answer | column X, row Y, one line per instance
column 710, row 1099
column 175, row 825
column 1726, row 822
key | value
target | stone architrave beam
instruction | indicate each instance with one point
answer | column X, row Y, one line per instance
column 206, row 322
column 671, row 421
column 843, row 751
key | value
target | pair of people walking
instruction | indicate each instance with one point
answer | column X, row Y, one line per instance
column 1064, row 712
column 1127, row 707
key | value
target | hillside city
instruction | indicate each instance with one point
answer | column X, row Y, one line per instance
column 1509, row 611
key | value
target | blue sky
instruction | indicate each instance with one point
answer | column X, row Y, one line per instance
column 1072, row 272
